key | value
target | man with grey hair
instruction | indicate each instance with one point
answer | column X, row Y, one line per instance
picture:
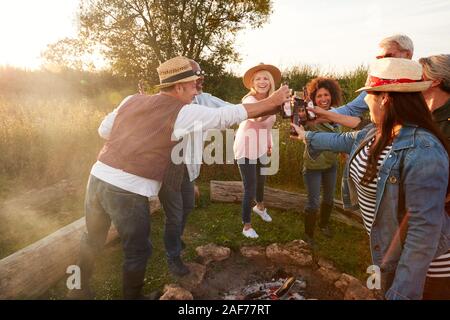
column 396, row 46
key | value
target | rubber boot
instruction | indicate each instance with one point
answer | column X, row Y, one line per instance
column 132, row 282
column 86, row 263
column 324, row 224
column 177, row 267
column 310, row 224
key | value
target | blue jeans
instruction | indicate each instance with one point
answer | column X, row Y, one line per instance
column 253, row 185
column 314, row 179
column 177, row 206
column 130, row 214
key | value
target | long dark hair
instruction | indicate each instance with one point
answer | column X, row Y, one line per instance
column 402, row 108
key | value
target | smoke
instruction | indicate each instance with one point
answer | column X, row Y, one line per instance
column 26, row 217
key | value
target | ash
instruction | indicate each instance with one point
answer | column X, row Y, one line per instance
column 289, row 288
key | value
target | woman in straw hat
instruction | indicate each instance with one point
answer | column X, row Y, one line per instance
column 398, row 174
column 253, row 143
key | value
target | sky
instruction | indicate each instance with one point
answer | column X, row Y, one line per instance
column 335, row 35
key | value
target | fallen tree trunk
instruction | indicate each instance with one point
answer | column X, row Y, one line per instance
column 232, row 191
column 31, row 271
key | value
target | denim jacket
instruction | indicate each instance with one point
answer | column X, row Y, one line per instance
column 416, row 172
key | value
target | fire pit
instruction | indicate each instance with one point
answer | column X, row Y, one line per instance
column 253, row 275
column 276, row 272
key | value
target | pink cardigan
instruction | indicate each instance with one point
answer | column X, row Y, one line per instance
column 254, row 136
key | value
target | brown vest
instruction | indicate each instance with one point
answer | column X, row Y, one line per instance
column 140, row 140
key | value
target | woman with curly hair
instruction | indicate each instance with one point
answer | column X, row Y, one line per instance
column 325, row 93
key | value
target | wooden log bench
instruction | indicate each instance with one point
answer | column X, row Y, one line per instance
column 31, row 271
column 232, row 191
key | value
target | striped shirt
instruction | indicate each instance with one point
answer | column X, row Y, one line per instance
column 367, row 195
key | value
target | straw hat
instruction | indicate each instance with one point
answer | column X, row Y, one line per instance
column 395, row 75
column 274, row 71
column 175, row 70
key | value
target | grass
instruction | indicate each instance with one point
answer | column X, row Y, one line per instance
column 220, row 223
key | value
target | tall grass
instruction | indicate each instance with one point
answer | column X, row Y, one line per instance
column 46, row 137
column 46, row 140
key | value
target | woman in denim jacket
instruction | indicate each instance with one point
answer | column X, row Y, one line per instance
column 398, row 173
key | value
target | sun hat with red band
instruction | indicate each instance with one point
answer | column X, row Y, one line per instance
column 395, row 75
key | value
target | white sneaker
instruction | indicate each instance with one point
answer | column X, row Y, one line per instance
column 250, row 233
column 263, row 214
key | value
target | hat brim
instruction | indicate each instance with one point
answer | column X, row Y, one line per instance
column 274, row 71
column 169, row 84
column 399, row 87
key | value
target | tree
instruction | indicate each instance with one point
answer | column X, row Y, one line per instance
column 136, row 35
column 68, row 53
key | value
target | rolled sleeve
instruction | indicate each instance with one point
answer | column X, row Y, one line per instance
column 355, row 108
column 327, row 141
column 425, row 182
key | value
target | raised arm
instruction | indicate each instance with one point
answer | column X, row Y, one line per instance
column 325, row 141
column 355, row 108
column 194, row 118
column 208, row 100
column 330, row 116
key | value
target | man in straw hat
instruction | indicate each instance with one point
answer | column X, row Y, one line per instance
column 133, row 163
column 399, row 174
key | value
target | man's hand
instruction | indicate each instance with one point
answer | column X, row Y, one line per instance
column 322, row 115
column 280, row 96
column 269, row 105
column 330, row 116
column 300, row 132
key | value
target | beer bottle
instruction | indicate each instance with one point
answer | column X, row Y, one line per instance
column 286, row 111
column 295, row 114
column 302, row 114
column 308, row 103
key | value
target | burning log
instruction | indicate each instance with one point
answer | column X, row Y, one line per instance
column 31, row 271
column 281, row 289
column 232, row 191
column 284, row 289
